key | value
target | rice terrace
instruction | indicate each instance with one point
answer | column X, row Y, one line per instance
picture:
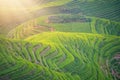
column 59, row 39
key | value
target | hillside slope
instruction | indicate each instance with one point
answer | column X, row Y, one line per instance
column 65, row 23
column 61, row 40
column 59, row 55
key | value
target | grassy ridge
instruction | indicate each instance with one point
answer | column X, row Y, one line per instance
column 14, row 64
column 49, row 4
column 85, row 51
column 41, row 24
column 102, row 9
column 60, row 55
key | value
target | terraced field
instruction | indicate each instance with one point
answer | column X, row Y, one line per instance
column 60, row 55
column 49, row 4
column 71, row 40
column 50, row 23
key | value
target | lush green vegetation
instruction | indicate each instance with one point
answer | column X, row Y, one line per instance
column 79, row 42
column 43, row 24
column 16, row 64
column 59, row 55
column 50, row 4
column 108, row 9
